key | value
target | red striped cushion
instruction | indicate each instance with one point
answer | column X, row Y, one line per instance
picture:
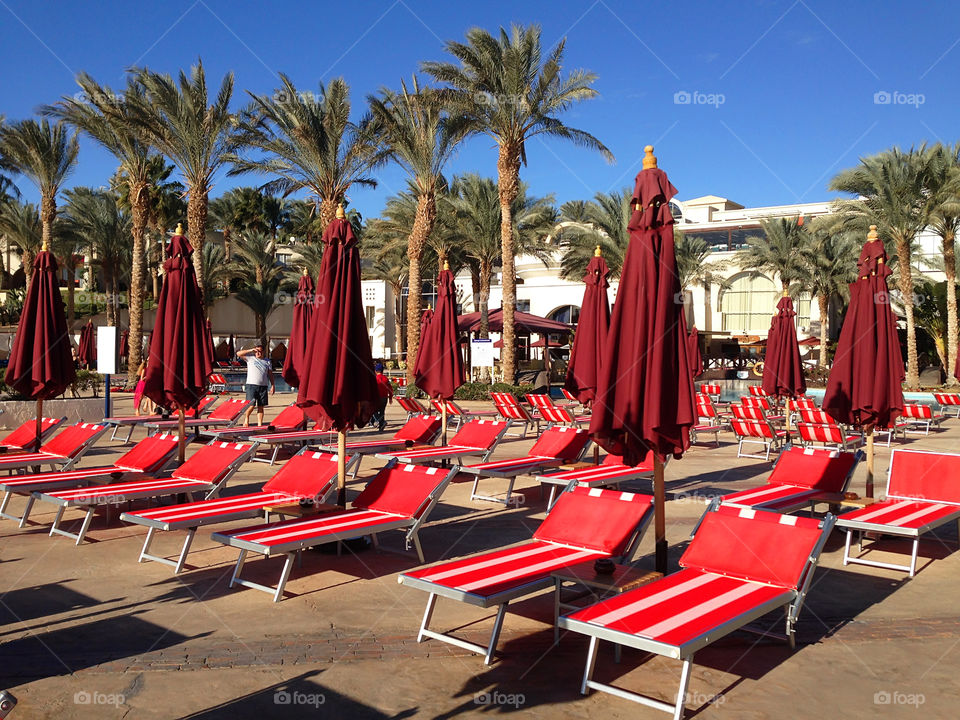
column 599, row 520
column 203, row 509
column 924, row 475
column 401, row 489
column 304, row 475
column 563, row 443
column 478, row 433
column 210, row 462
column 903, row 513
column 419, row 429
column 150, row 454
column 26, row 434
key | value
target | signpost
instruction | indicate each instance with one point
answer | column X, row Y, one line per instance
column 107, row 361
column 482, row 354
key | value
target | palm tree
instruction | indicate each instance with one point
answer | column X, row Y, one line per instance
column 695, row 269
column 931, row 314
column 45, row 154
column 942, row 208
column 304, row 221
column 413, row 127
column 601, row 221
column 829, row 260
column 20, row 223
column 777, row 252
column 385, row 258
column 178, row 118
column 506, row 88
column 262, row 278
column 96, row 216
column 216, row 280
column 108, row 119
column 309, row 143
column 891, row 194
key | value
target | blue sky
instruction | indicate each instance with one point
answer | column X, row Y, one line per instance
column 758, row 101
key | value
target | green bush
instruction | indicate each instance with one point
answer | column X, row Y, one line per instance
column 481, row 391
column 87, row 380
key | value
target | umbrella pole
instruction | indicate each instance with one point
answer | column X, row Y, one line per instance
column 870, row 462
column 443, row 422
column 39, row 422
column 341, row 468
column 659, row 500
column 182, row 440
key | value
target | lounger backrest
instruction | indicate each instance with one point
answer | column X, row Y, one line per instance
column 817, row 417
column 710, row 389
column 25, row 436
column 917, row 411
column 815, row 432
column 565, row 443
column 816, row 468
column 201, row 407
column 569, row 395
column 150, row 454
column 401, row 489
column 508, row 406
column 930, row 476
column 748, row 412
column 409, row 405
column 555, row 414
column 751, row 428
column 801, row 403
column 305, row 475
column 601, row 520
column 705, row 407
column 419, row 430
column 757, row 391
column 947, row 398
column 70, row 441
column 229, row 409
column 753, row 545
column 540, row 401
column 211, row 462
column 755, row 402
column 453, row 410
column 479, row 433
column 290, row 418
column 645, row 464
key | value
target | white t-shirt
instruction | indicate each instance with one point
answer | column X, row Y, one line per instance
column 258, row 371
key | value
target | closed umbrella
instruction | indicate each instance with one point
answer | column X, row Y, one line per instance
column 693, row 353
column 213, row 348
column 782, row 369
column 588, row 342
column 303, row 304
column 338, row 388
column 123, row 349
column 865, row 387
column 41, row 360
column 439, row 368
column 644, row 396
column 88, row 346
column 230, row 351
column 180, row 359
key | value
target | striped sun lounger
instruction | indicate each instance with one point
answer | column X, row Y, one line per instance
column 611, row 472
column 477, row 437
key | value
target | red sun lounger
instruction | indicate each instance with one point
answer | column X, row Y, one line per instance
column 400, row 497
column 226, row 414
column 740, row 565
column 558, row 445
column 514, row 413
column 309, row 475
column 61, row 451
column 947, row 402
column 923, row 493
column 411, row 406
column 477, row 437
column 132, row 421
column 274, row 442
column 756, row 431
column 919, row 418
column 800, row 478
column 206, row 471
column 290, row 419
column 554, row 414
column 611, row 472
column 418, row 431
column 458, row 414
column 149, row 456
column 24, row 438
column 585, row 524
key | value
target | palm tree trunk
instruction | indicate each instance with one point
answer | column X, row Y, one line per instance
column 508, row 178
column 398, row 318
column 71, row 298
column 197, row 231
column 486, row 273
column 328, row 211
column 140, row 206
column 950, row 270
column 262, row 334
column 423, row 222
column 707, row 307
column 906, row 293
column 48, row 215
column 823, row 302
column 227, row 245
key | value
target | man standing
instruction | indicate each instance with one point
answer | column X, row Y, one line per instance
column 259, row 375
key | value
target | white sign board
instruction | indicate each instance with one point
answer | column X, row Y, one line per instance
column 481, row 353
column 107, row 350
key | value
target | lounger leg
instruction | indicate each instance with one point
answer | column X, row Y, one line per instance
column 3, row 506
column 476, row 482
column 86, row 524
column 846, row 548
column 183, row 552
column 56, row 520
column 416, row 544
column 284, row 574
column 913, row 556
column 495, row 635
column 591, row 661
column 427, row 615
column 506, row 500
column 146, row 545
column 26, row 511
column 238, row 569
column 682, row 692
column 553, row 493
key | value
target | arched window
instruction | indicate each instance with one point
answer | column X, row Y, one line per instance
column 568, row 314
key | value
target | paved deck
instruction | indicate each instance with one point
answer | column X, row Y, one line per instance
column 87, row 632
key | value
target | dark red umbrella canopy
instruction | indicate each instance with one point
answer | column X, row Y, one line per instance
column 87, row 352
column 180, row 358
column 782, row 369
column 531, row 323
column 213, row 348
column 338, row 388
column 865, row 383
column 693, row 353
column 230, row 350
column 124, row 345
column 439, row 368
column 645, row 389
column 303, row 305
column 588, row 342
column 426, row 317
column 41, row 360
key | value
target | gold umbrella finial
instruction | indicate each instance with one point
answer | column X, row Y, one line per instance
column 179, row 230
column 45, row 246
column 446, row 265
column 340, row 213
column 305, row 271
column 596, row 251
column 649, row 159
column 872, row 235
column 786, row 293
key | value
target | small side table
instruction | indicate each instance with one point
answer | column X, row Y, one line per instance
column 839, row 500
column 295, row 509
column 597, row 587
